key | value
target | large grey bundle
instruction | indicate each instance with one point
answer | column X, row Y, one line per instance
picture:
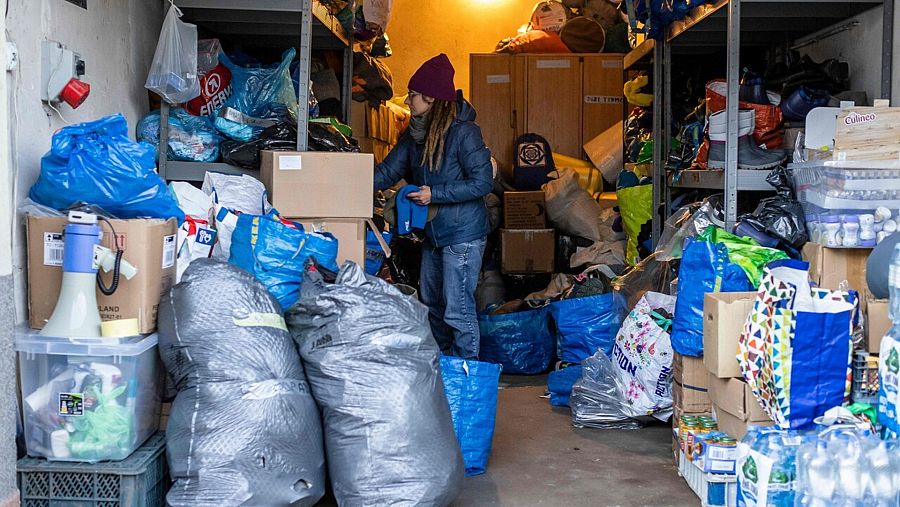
column 374, row 370
column 244, row 428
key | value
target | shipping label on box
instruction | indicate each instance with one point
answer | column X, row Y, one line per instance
column 527, row 250
column 148, row 244
column 715, row 458
column 319, row 184
column 724, row 315
column 524, row 210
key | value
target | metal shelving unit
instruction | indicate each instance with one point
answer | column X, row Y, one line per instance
column 264, row 24
column 733, row 24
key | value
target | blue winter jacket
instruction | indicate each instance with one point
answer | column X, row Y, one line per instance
column 458, row 187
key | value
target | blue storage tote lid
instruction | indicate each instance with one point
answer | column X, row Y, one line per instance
column 31, row 342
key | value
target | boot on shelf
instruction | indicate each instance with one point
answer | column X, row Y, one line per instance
column 750, row 156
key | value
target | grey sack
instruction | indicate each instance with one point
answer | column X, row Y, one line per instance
column 374, row 369
column 244, row 428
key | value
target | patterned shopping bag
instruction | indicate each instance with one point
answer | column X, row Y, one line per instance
column 795, row 349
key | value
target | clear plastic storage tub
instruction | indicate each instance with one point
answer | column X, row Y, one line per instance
column 88, row 399
column 849, row 204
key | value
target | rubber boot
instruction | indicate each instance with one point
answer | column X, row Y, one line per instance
column 750, row 156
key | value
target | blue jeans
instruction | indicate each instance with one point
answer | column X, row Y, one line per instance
column 447, row 284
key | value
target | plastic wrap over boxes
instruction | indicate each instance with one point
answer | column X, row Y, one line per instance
column 848, row 204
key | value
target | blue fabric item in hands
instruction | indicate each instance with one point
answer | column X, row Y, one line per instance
column 410, row 215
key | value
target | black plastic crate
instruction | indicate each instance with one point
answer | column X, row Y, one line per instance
column 865, row 378
column 137, row 481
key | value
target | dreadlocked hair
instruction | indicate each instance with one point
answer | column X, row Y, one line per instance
column 441, row 117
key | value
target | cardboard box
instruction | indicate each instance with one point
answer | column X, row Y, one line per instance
column 733, row 426
column 828, row 267
column 877, row 322
column 734, row 396
column 606, row 151
column 148, row 244
column 350, row 233
column 724, row 315
column 319, row 184
column 690, row 385
column 524, row 210
column 527, row 250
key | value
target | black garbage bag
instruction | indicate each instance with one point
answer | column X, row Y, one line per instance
column 326, row 137
column 781, row 216
column 374, row 369
column 244, row 428
column 279, row 137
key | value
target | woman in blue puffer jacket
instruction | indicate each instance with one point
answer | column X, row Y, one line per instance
column 442, row 152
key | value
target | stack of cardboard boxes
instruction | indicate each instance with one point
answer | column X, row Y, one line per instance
column 325, row 192
column 733, row 403
column 690, row 393
column 526, row 244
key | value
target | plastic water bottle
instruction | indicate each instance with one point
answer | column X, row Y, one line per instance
column 889, row 369
column 881, row 489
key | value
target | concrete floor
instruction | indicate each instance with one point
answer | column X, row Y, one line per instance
column 540, row 459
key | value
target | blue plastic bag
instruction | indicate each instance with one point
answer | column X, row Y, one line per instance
column 191, row 138
column 96, row 163
column 374, row 252
column 521, row 342
column 560, row 383
column 586, row 325
column 275, row 252
column 704, row 268
column 262, row 97
column 471, row 388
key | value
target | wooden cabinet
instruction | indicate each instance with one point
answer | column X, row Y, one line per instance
column 568, row 99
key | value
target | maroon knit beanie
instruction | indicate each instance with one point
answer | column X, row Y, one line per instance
column 435, row 79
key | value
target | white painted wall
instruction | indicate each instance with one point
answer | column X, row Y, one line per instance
column 861, row 47
column 116, row 38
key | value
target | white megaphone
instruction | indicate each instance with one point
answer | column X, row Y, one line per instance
column 76, row 313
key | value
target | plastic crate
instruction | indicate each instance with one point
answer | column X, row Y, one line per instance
column 68, row 385
column 714, row 490
column 865, row 378
column 138, row 481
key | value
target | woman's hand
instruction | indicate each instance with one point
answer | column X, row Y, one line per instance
column 423, row 196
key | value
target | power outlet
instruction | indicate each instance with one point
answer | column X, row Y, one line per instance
column 12, row 56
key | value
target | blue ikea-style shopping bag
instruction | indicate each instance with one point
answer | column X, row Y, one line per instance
column 521, row 342
column 704, row 267
column 471, row 388
column 274, row 251
column 586, row 325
